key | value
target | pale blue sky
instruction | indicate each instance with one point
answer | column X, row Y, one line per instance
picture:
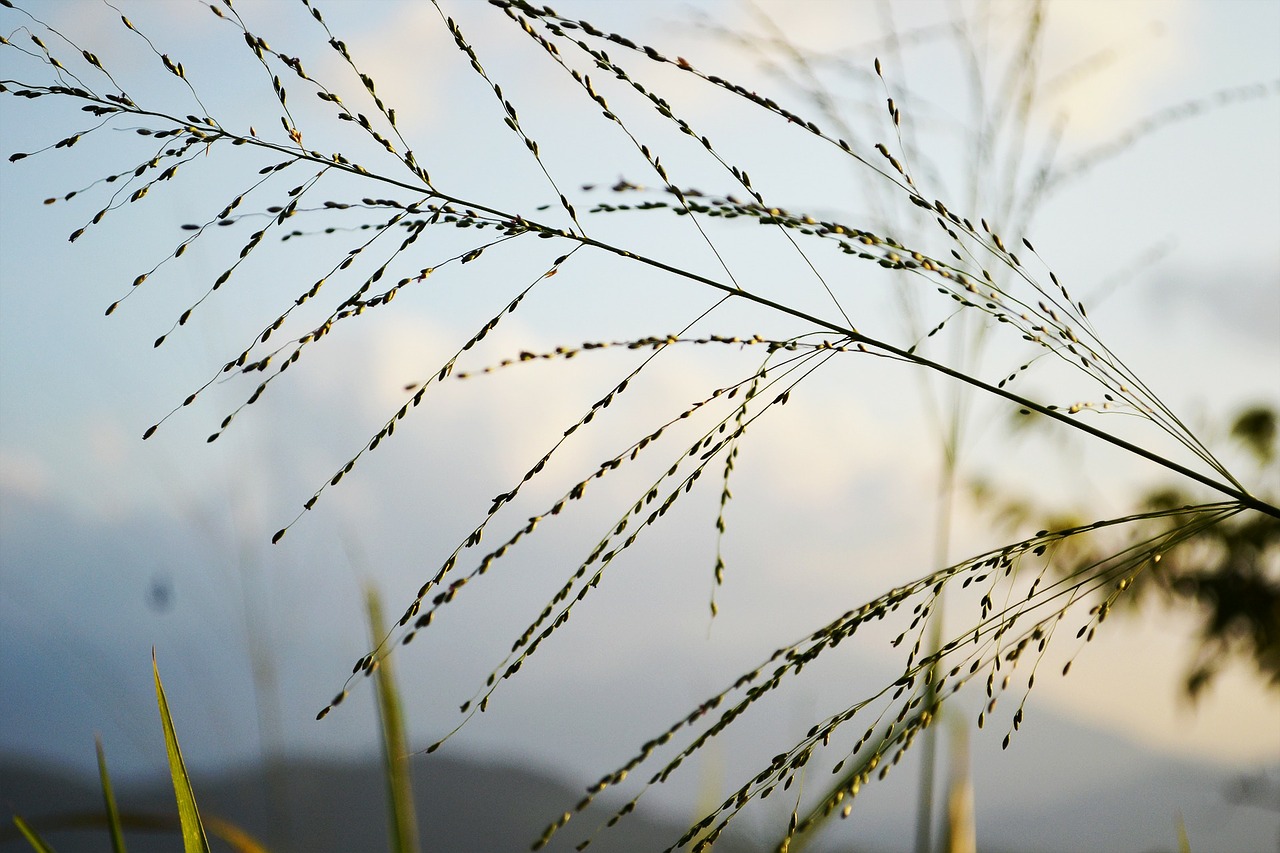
column 833, row 498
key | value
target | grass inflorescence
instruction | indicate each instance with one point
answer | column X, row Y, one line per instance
column 294, row 196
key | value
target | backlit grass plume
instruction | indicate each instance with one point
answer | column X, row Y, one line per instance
column 379, row 221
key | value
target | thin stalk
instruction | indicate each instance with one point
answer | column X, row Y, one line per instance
column 401, row 813
column 951, row 442
column 848, row 332
column 857, row 337
column 112, row 812
column 942, row 548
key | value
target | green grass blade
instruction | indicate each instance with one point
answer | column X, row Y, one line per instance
column 109, row 801
column 193, row 837
column 37, row 843
column 395, row 752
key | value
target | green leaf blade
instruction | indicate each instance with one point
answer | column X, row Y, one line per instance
column 109, row 801
column 193, row 836
column 37, row 843
column 402, row 815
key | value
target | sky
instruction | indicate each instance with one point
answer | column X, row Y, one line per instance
column 111, row 547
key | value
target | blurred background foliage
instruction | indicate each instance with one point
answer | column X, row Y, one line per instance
column 1227, row 574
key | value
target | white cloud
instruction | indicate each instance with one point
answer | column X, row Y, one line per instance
column 1108, row 58
column 24, row 474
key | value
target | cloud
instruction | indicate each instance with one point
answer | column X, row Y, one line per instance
column 1107, row 59
column 24, row 475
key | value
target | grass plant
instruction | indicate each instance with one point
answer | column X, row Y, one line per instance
column 109, row 802
column 193, row 835
column 401, row 812
column 965, row 265
column 189, row 825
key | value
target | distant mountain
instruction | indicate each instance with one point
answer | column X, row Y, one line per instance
column 318, row 806
column 1037, row 797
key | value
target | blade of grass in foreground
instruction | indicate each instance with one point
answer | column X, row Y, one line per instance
column 109, row 801
column 1184, row 843
column 193, row 837
column 37, row 843
column 395, row 753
